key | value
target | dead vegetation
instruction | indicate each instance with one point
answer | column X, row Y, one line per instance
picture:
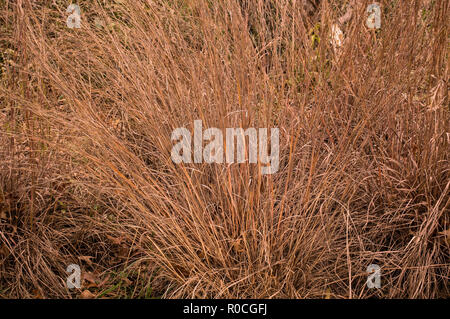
column 86, row 176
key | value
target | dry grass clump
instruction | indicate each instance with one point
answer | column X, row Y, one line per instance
column 86, row 175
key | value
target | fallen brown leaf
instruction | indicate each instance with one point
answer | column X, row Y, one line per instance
column 37, row 294
column 86, row 294
column 91, row 279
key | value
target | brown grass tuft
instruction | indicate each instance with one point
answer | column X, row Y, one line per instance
column 86, row 176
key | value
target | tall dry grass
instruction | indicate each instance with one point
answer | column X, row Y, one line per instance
column 86, row 175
